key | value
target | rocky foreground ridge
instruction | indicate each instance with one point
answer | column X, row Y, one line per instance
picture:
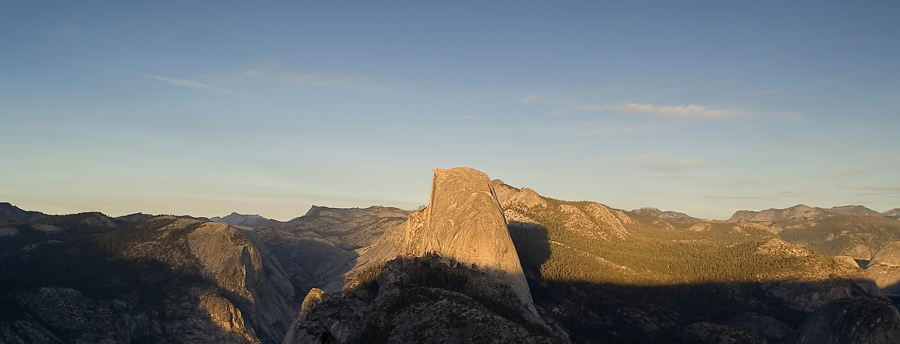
column 483, row 262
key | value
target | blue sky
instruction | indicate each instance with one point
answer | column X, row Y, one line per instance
column 205, row 108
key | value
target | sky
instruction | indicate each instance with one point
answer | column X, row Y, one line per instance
column 205, row 108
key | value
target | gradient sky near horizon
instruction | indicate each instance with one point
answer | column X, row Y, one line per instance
column 204, row 108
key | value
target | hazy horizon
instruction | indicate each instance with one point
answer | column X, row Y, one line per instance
column 205, row 109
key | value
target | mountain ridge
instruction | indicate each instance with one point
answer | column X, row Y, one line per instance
column 379, row 274
column 12, row 214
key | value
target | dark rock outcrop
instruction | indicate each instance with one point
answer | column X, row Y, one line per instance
column 709, row 333
column 769, row 327
column 851, row 321
column 75, row 316
column 418, row 300
column 324, row 319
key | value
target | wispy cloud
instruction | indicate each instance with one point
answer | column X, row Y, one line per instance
column 660, row 162
column 196, row 85
column 678, row 111
column 691, row 111
column 192, row 84
column 273, row 73
column 867, row 190
column 531, row 99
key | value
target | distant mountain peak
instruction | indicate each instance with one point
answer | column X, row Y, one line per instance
column 12, row 214
column 246, row 220
column 668, row 215
column 801, row 212
column 854, row 210
column 893, row 213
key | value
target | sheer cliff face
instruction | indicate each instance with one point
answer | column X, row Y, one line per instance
column 239, row 263
column 464, row 222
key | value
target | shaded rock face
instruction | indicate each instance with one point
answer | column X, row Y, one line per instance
column 234, row 259
column 885, row 268
column 851, row 321
column 77, row 317
column 26, row 332
column 389, row 246
column 809, row 297
column 254, row 300
column 88, row 278
column 324, row 319
column 328, row 246
column 418, row 300
column 769, row 327
column 709, row 333
column 464, row 222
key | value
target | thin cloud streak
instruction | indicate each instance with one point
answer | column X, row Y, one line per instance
column 197, row 86
column 679, row 111
column 273, row 73
column 691, row 111
column 864, row 190
column 185, row 83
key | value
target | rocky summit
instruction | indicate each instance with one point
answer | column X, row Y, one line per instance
column 482, row 262
column 455, row 276
column 464, row 223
